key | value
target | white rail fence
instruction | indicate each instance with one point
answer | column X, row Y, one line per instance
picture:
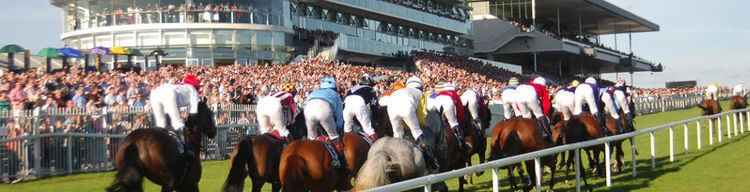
column 649, row 105
column 734, row 124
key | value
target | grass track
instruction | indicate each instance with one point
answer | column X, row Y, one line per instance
column 721, row 167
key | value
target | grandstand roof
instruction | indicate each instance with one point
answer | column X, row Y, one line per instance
column 596, row 16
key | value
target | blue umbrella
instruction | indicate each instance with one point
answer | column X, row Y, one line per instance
column 70, row 53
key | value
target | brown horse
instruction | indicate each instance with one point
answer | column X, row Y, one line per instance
column 153, row 153
column 475, row 133
column 355, row 150
column 616, row 146
column 307, row 165
column 258, row 156
column 517, row 136
column 710, row 107
column 739, row 102
column 580, row 128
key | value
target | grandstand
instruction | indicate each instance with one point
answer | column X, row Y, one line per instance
column 559, row 37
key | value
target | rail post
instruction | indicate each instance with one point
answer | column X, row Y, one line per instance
column 653, row 150
column 747, row 115
column 578, row 169
column 671, row 144
column 686, row 138
column 634, row 160
column 729, row 128
column 718, row 127
column 538, row 174
column 428, row 188
column 69, row 150
column 607, row 166
column 495, row 181
column 742, row 122
column 710, row 131
column 734, row 122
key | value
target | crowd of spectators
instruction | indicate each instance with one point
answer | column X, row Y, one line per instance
column 434, row 7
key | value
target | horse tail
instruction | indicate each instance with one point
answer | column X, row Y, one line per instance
column 128, row 176
column 291, row 167
column 512, row 144
column 242, row 159
column 374, row 172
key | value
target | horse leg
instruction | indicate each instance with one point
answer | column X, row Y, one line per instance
column 579, row 165
column 592, row 163
column 481, row 148
column 532, row 175
column 551, row 163
column 275, row 186
column 461, row 182
column 511, row 178
column 165, row 189
column 258, row 184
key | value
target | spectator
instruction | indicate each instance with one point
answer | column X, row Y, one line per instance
column 79, row 100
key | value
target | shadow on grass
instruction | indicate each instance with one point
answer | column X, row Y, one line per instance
column 621, row 181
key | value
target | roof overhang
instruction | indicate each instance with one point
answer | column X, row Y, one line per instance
column 597, row 17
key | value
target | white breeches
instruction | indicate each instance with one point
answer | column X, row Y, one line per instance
column 738, row 90
column 528, row 102
column 712, row 93
column 623, row 101
column 355, row 107
column 609, row 105
column 469, row 98
column 509, row 101
column 164, row 101
column 318, row 113
column 585, row 94
column 565, row 103
column 449, row 109
column 400, row 112
column 271, row 116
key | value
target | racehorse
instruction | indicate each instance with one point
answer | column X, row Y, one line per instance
column 475, row 131
column 356, row 146
column 519, row 135
column 391, row 160
column 307, row 165
column 616, row 146
column 580, row 128
column 258, row 156
column 154, row 154
column 710, row 107
column 739, row 102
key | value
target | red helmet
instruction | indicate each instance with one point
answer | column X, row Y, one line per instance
column 192, row 80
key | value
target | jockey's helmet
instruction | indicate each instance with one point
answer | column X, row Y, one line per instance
column 414, row 82
column 620, row 82
column 573, row 84
column 367, row 80
column 513, row 81
column 289, row 88
column 328, row 83
column 445, row 86
column 540, row 80
column 590, row 80
column 192, row 80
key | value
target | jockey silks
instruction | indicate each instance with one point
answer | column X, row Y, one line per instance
column 168, row 98
column 287, row 100
column 456, row 103
column 366, row 92
column 333, row 99
column 543, row 96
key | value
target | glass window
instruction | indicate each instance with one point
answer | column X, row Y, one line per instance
column 244, row 38
column 278, row 38
column 87, row 42
column 223, row 37
column 200, row 38
column 125, row 40
column 262, row 38
column 148, row 39
column 173, row 39
column 104, row 40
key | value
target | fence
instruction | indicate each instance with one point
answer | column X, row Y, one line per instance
column 426, row 181
column 649, row 105
column 41, row 143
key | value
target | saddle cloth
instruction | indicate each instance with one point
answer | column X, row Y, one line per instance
column 335, row 161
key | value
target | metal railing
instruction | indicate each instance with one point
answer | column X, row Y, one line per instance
column 493, row 166
column 42, row 143
column 649, row 105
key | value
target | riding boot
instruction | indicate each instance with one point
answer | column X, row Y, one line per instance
column 462, row 145
column 182, row 138
column 338, row 144
column 427, row 153
column 620, row 126
column 544, row 126
column 602, row 123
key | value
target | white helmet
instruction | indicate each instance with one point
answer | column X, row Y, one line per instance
column 540, row 80
column 590, row 80
column 449, row 85
column 414, row 82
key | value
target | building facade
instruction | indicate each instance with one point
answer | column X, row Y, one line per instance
column 219, row 32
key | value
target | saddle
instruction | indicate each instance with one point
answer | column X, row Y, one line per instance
column 335, row 157
column 178, row 142
column 364, row 137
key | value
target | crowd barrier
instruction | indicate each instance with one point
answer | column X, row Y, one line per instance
column 42, row 143
column 735, row 123
column 649, row 105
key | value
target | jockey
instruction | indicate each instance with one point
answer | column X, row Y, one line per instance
column 168, row 98
column 387, row 94
column 509, row 99
column 446, row 97
column 611, row 107
column 565, row 100
column 473, row 99
column 358, row 104
column 622, row 96
column 269, row 110
column 739, row 90
column 324, row 107
column 402, row 109
column 712, row 91
column 588, row 93
column 533, row 98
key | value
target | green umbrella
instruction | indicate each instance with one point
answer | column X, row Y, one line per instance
column 49, row 53
column 11, row 49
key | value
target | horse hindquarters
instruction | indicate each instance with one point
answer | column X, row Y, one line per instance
column 376, row 172
column 241, row 159
column 129, row 171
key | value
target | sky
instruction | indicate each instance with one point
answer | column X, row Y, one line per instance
column 707, row 41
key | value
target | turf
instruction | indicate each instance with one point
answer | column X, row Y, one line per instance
column 720, row 167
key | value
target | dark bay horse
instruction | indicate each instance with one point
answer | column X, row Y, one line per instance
column 616, row 146
column 258, row 157
column 739, row 102
column 516, row 136
column 307, row 165
column 153, row 153
column 475, row 133
column 580, row 128
column 711, row 107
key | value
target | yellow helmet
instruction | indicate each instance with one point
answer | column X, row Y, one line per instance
column 288, row 87
column 574, row 83
column 398, row 85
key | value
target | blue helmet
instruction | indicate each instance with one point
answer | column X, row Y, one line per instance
column 328, row 82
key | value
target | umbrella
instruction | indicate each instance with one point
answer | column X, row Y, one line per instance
column 98, row 51
column 11, row 49
column 49, row 53
column 69, row 53
column 157, row 53
column 119, row 51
